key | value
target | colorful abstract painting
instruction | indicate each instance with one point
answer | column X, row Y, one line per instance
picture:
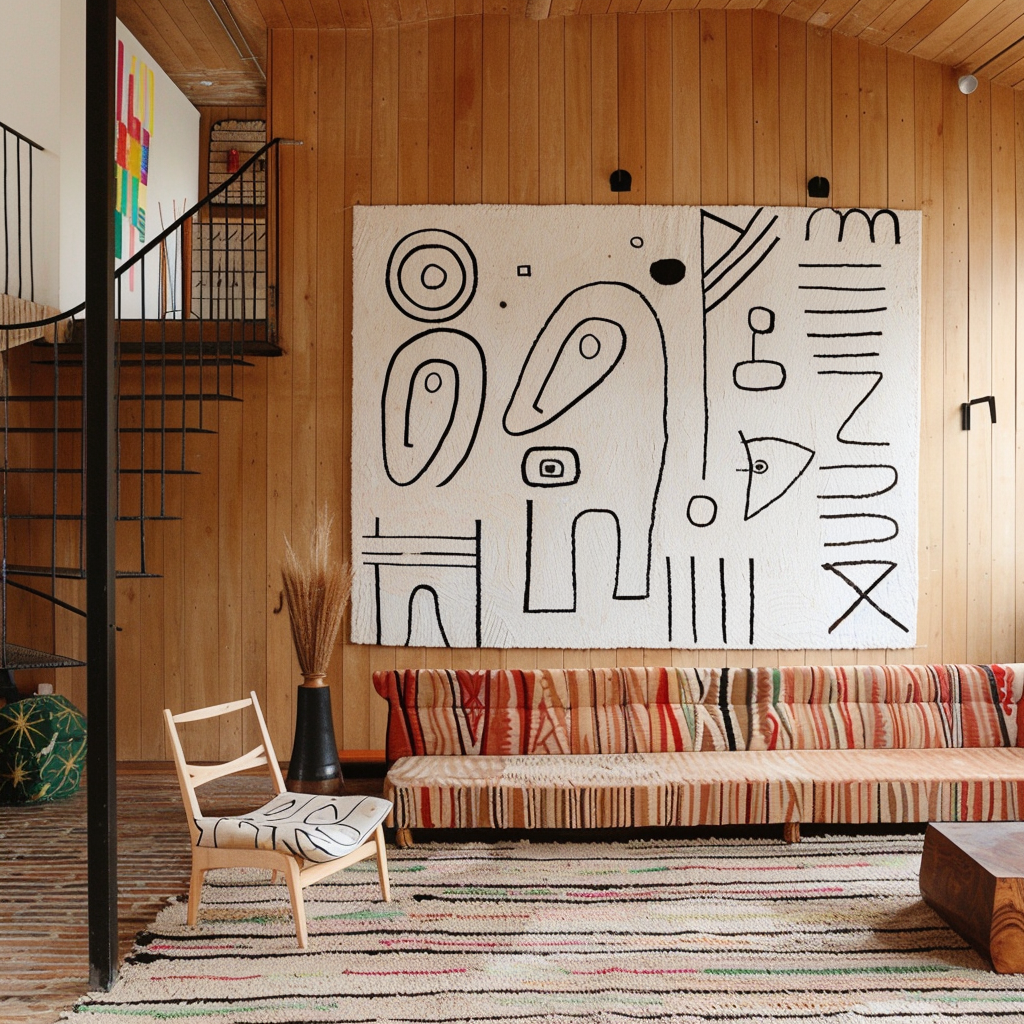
column 135, row 100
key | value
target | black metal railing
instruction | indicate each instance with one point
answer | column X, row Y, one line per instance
column 192, row 308
column 19, row 221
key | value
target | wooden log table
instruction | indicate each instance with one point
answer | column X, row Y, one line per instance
column 972, row 874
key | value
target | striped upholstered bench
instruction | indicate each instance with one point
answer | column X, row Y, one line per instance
column 623, row 747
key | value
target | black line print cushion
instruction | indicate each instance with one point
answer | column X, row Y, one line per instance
column 318, row 828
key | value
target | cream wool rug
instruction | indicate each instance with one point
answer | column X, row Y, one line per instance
column 832, row 929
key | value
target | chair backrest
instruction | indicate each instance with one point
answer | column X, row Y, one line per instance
column 191, row 776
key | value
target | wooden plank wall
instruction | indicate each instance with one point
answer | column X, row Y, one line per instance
column 712, row 106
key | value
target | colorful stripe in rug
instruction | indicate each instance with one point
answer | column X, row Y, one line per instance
column 832, row 930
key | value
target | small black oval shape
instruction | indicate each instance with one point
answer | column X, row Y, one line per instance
column 668, row 271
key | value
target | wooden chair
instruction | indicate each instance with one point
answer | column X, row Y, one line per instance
column 303, row 836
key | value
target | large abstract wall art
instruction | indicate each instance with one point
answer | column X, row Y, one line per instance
column 135, row 104
column 635, row 427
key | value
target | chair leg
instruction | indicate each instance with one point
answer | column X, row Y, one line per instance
column 273, row 876
column 382, row 863
column 403, row 838
column 195, row 889
column 791, row 831
column 298, row 907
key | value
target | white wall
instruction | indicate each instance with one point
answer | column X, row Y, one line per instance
column 42, row 95
column 30, row 103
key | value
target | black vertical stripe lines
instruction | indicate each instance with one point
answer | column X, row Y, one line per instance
column 721, row 579
column 693, row 597
column 479, row 585
column 751, row 637
column 668, row 583
column 997, row 704
column 723, row 705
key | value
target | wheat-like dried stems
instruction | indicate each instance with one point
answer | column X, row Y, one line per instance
column 316, row 592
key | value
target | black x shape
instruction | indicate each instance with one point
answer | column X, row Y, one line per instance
column 862, row 595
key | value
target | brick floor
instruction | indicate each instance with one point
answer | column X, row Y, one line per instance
column 44, row 959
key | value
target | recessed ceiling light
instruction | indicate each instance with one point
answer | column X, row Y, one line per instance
column 206, row 83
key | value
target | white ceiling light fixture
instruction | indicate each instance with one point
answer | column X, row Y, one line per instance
column 969, row 82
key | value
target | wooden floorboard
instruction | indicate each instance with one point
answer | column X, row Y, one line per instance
column 44, row 938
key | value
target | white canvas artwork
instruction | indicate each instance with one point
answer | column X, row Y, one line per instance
column 635, row 426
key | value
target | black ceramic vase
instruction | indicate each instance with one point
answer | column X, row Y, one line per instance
column 314, row 766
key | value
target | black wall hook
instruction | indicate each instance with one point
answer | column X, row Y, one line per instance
column 621, row 181
column 965, row 410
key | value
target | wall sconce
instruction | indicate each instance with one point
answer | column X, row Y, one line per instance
column 965, row 410
column 969, row 82
column 621, row 181
column 818, row 187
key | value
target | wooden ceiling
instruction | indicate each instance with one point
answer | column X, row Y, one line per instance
column 223, row 42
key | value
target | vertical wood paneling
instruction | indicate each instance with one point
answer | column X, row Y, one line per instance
column 1004, row 361
column 714, row 111
column 954, row 378
column 632, row 88
column 716, row 107
column 551, row 87
column 979, row 371
column 930, row 188
column 578, row 154
column 604, row 75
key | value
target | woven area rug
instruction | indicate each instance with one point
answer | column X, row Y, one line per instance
column 831, row 929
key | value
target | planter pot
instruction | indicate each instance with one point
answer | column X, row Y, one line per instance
column 314, row 765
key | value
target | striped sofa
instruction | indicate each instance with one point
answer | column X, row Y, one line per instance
column 621, row 747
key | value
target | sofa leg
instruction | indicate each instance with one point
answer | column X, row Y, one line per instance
column 791, row 831
column 403, row 838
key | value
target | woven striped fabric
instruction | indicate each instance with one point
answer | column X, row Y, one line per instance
column 707, row 788
column 652, row 710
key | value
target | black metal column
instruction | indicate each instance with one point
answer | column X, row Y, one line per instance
column 100, row 454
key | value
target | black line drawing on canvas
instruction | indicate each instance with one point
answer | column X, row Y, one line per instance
column 424, row 588
column 668, row 587
column 561, row 599
column 431, row 275
column 551, row 467
column 863, row 592
column 861, row 540
column 437, row 564
column 580, row 349
column 740, row 251
column 755, row 374
column 773, row 466
column 857, row 467
column 871, row 220
column 693, row 598
column 878, row 375
column 750, row 568
column 701, row 510
column 725, row 601
column 431, row 405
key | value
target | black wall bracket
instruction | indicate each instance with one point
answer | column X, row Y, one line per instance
column 965, row 410
column 818, row 187
column 621, row 181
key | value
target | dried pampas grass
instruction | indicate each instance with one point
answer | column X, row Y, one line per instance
column 316, row 592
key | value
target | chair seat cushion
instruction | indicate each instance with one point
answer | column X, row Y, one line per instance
column 316, row 828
